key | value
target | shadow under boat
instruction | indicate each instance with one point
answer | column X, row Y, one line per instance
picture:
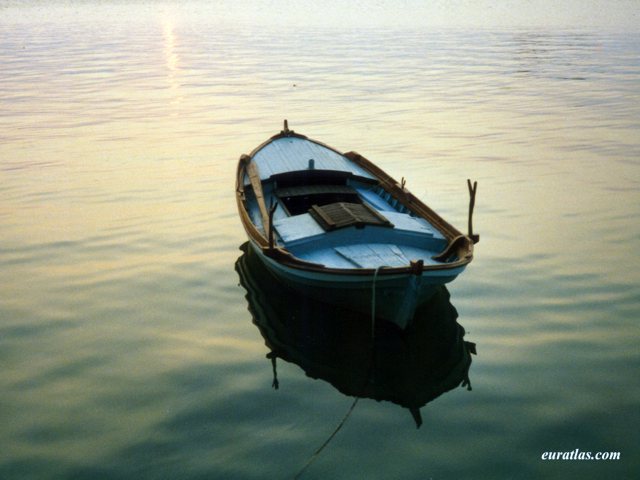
column 360, row 356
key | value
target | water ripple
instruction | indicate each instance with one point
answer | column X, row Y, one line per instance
column 127, row 345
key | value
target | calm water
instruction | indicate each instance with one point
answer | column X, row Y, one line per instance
column 126, row 343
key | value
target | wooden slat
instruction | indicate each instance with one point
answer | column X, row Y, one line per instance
column 344, row 214
column 325, row 220
column 254, row 177
column 304, row 190
column 381, row 218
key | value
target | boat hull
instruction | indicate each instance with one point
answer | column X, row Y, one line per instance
column 390, row 297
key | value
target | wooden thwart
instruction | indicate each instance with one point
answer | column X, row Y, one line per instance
column 304, row 190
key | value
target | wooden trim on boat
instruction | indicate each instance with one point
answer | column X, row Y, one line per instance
column 254, row 177
column 405, row 197
column 248, row 225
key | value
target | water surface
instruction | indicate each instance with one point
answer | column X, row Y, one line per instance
column 127, row 345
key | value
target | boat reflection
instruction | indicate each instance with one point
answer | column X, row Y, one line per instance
column 358, row 356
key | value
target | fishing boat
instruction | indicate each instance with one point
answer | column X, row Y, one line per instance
column 340, row 228
column 358, row 357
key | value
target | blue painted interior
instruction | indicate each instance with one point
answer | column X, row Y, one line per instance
column 411, row 238
column 373, row 198
column 322, row 249
column 373, row 255
column 295, row 229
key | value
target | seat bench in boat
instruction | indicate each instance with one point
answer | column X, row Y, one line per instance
column 305, row 227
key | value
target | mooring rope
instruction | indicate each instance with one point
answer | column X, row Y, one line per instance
column 319, row 450
column 355, row 402
column 373, row 303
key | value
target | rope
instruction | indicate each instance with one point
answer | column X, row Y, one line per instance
column 355, row 402
column 317, row 452
column 373, row 303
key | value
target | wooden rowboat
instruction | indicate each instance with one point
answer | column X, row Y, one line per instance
column 342, row 229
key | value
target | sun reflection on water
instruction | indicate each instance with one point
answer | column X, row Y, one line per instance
column 171, row 58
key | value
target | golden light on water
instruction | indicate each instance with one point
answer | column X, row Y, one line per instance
column 171, row 57
column 129, row 345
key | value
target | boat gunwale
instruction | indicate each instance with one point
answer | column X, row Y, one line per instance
column 462, row 243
